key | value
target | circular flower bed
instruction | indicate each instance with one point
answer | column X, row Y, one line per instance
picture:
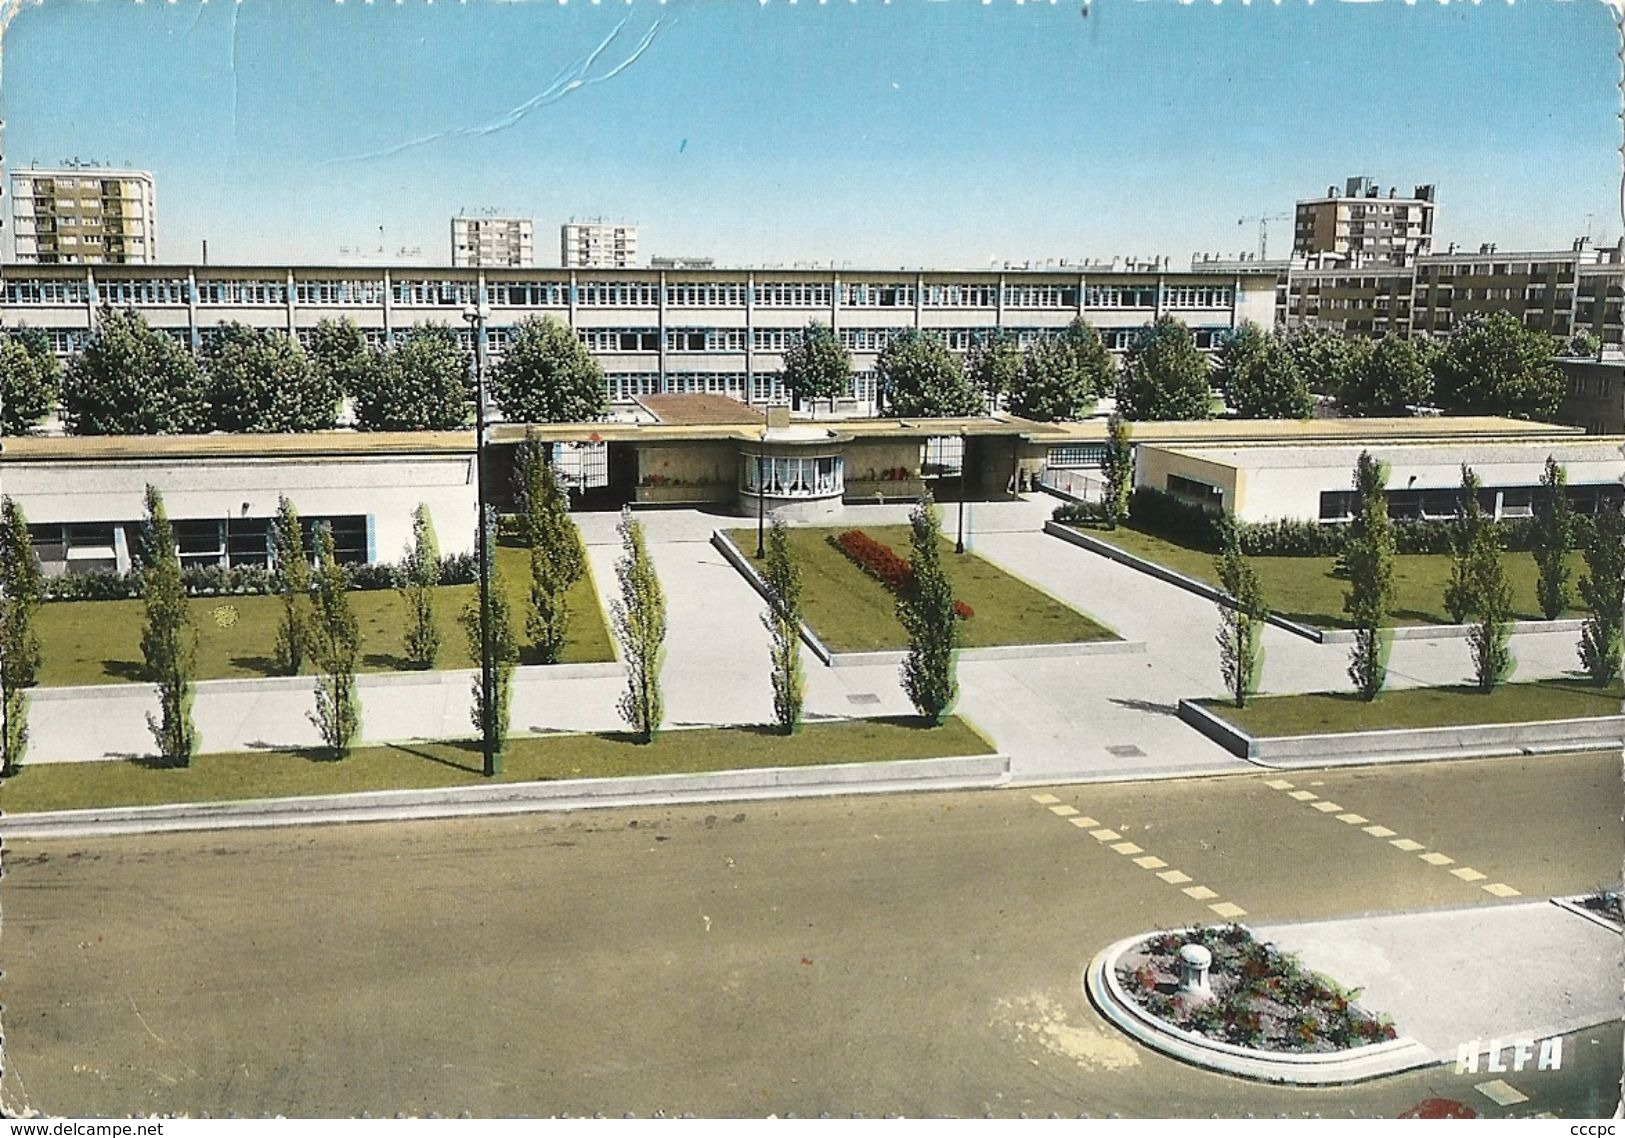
column 1262, row 998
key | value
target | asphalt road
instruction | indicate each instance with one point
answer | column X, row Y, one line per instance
column 917, row 954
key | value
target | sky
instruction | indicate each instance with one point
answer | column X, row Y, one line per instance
column 918, row 133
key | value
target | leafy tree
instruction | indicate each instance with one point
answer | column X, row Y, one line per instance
column 557, row 558
column 132, row 380
column 1165, row 376
column 1554, row 534
column 1490, row 636
column 1602, row 588
column 1329, row 361
column 1460, row 592
column 168, row 638
column 547, row 376
column 994, row 364
column 30, row 379
column 782, row 576
column 1394, row 377
column 1584, row 344
column 1493, row 365
column 341, row 359
column 1118, row 470
column 335, row 645
column 261, row 381
column 504, row 648
column 1369, row 554
column 1266, row 384
column 817, row 365
column 1242, row 616
column 917, row 375
column 1061, row 377
column 421, row 383
column 293, row 583
column 1239, row 347
column 926, row 610
column 639, row 617
column 22, row 589
column 420, row 574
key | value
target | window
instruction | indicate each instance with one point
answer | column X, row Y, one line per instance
column 1086, row 456
column 705, row 339
column 1121, row 296
column 866, row 339
column 617, row 294
column 339, row 292
column 877, row 295
column 792, row 294
column 785, row 477
column 619, row 339
column 1201, row 493
column 1040, row 296
column 242, row 292
column 944, row 454
column 960, row 296
column 1336, row 505
column 435, row 293
column 706, row 295
column 142, row 292
column 45, row 292
column 1197, row 296
column 528, row 294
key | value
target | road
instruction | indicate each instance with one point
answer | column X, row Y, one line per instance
column 915, row 954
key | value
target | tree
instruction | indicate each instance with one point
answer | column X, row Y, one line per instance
column 335, row 645
column 1602, row 589
column 557, row 559
column 1493, row 365
column 421, row 384
column 420, row 573
column 293, row 583
column 547, row 376
column 132, row 380
column 782, row 576
column 1490, row 636
column 1242, row 614
column 504, row 648
column 30, row 379
column 994, row 364
column 817, row 365
column 168, row 638
column 1118, row 470
column 1460, row 592
column 1554, row 534
column 1239, row 347
column 22, row 589
column 1266, row 384
column 917, row 375
column 261, row 381
column 926, row 610
column 1369, row 554
column 1393, row 377
column 1329, row 361
column 1061, row 377
column 341, row 359
column 1165, row 377
column 639, row 617
column 1584, row 343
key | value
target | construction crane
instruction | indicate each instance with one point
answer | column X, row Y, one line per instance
column 1264, row 230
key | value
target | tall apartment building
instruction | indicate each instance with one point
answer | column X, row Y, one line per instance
column 1360, row 226
column 480, row 242
column 89, row 215
column 597, row 245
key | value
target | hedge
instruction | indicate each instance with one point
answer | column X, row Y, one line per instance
column 215, row 580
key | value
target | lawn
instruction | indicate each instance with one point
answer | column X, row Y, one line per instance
column 850, row 611
column 279, row 774
column 1303, row 588
column 99, row 642
column 1332, row 712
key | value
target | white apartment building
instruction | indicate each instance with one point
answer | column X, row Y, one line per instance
column 597, row 245
column 501, row 242
column 89, row 215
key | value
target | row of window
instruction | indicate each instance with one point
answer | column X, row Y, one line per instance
column 817, row 477
column 83, row 547
column 1505, row 502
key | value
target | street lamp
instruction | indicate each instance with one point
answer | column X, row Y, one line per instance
column 477, row 315
column 959, row 545
column 761, row 509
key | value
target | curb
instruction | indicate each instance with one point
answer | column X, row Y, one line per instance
column 1319, row 1068
column 1573, row 905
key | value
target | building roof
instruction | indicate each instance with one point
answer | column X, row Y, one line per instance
column 699, row 409
column 326, row 444
column 1472, row 451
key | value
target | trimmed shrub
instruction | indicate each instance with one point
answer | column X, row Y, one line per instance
column 240, row 580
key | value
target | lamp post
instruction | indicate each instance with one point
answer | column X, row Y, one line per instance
column 477, row 315
column 959, row 544
column 761, row 509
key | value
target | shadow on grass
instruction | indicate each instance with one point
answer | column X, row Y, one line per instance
column 389, row 662
column 124, row 670
column 263, row 665
column 445, row 762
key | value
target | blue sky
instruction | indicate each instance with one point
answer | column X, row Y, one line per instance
column 946, row 133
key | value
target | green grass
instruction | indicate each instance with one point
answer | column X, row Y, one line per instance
column 850, row 611
column 279, row 774
column 99, row 642
column 1332, row 712
column 1303, row 588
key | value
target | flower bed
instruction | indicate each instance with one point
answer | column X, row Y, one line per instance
column 1262, row 998
column 1605, row 903
column 880, row 562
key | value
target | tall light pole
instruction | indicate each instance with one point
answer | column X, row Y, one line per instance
column 477, row 315
column 959, row 544
column 761, row 510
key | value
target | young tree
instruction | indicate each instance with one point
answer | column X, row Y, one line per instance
column 1554, row 534
column 1165, row 376
column 293, row 583
column 341, row 359
column 22, row 589
column 1461, row 591
column 132, row 380
column 421, row 384
column 639, row 617
column 1490, row 636
column 1061, row 377
column 547, row 376
column 1241, row 617
column 420, row 573
column 994, row 363
column 1237, row 350
column 917, row 375
column 261, row 381
column 817, row 365
column 1369, row 555
column 30, row 379
column 335, row 646
column 782, row 576
column 504, row 649
column 1493, row 365
column 1602, row 589
column 1393, row 377
column 1118, row 470
column 168, row 639
column 557, row 558
column 1266, row 384
column 926, row 610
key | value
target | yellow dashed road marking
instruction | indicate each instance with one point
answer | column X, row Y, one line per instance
column 1149, row 862
column 1106, row 835
column 1406, row 844
column 1228, row 911
column 1278, row 784
column 1063, row 811
column 1326, row 807
column 1353, row 819
column 1438, row 859
column 1127, row 848
column 1499, row 890
column 1467, row 874
column 1174, row 877
column 1045, row 799
column 1083, row 822
column 1303, row 795
column 1199, row 893
column 1380, row 831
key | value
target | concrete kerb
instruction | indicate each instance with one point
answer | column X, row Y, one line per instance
column 1572, row 905
column 952, row 773
column 731, row 553
column 1407, row 743
column 1324, row 1068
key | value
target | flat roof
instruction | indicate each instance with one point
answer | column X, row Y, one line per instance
column 1589, row 448
column 1317, row 430
column 699, row 409
column 97, row 448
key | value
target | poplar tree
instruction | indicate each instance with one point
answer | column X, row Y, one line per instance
column 1461, row 591
column 168, row 638
column 782, row 576
column 557, row 557
column 640, row 624
column 1241, row 617
column 1554, row 533
column 335, row 645
column 420, row 573
column 1602, row 589
column 1369, row 555
column 504, row 648
column 293, row 583
column 926, row 610
column 1118, row 470
column 1490, row 636
column 22, row 589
